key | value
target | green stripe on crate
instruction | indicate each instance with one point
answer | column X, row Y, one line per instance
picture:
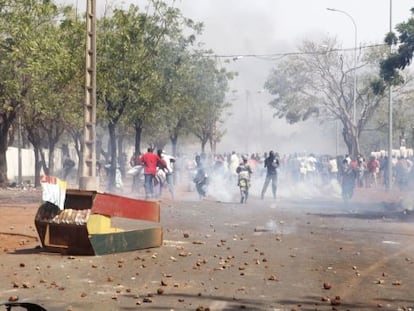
column 126, row 241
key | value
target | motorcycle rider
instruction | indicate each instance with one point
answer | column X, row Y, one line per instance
column 244, row 172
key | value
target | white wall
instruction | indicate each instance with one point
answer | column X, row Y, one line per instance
column 28, row 163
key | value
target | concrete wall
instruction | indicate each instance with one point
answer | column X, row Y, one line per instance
column 28, row 163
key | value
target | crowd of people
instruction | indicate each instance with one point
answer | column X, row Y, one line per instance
column 199, row 171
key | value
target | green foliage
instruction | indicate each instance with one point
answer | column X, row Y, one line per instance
column 149, row 74
column 391, row 38
column 378, row 86
column 400, row 59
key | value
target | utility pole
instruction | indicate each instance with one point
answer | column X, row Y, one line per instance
column 19, row 150
column 389, row 168
column 88, row 179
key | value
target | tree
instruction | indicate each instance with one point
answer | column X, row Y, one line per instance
column 162, row 59
column 402, row 57
column 208, row 90
column 53, row 100
column 318, row 82
column 131, row 40
column 21, row 22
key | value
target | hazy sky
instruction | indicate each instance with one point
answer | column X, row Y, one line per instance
column 240, row 27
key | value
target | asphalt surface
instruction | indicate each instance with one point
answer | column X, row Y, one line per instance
column 307, row 250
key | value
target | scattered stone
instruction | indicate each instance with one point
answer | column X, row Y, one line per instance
column 336, row 301
column 327, row 286
column 184, row 254
column 13, row 298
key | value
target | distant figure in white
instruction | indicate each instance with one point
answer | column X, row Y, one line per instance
column 234, row 163
column 244, row 172
column 165, row 175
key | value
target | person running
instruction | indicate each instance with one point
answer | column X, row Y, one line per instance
column 168, row 171
column 200, row 178
column 150, row 161
column 244, row 173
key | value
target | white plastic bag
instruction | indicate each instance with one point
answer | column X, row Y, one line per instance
column 54, row 190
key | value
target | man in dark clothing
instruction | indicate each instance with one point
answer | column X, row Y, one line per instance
column 200, row 179
column 271, row 164
column 68, row 164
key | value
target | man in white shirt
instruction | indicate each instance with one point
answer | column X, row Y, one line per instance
column 169, row 170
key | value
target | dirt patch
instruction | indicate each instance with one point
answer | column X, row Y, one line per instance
column 12, row 242
column 18, row 209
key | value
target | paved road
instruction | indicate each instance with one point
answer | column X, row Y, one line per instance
column 304, row 251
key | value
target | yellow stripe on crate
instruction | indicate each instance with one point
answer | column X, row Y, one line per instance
column 100, row 224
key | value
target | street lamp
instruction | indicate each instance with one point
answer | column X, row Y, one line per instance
column 355, row 58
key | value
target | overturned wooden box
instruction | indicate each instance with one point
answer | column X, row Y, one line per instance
column 93, row 223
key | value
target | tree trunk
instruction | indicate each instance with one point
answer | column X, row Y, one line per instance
column 5, row 123
column 37, row 166
column 351, row 139
column 43, row 162
column 203, row 146
column 174, row 141
column 51, row 159
column 3, row 159
column 112, row 151
column 138, row 134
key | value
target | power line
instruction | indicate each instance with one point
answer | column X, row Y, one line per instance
column 276, row 56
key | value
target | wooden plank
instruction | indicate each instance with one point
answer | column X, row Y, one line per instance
column 117, row 206
column 126, row 241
